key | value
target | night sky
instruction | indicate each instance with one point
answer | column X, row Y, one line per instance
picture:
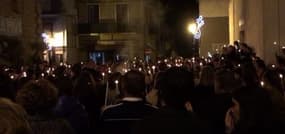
column 178, row 13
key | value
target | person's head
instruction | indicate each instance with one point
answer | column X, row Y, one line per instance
column 84, row 85
column 113, row 77
column 64, row 86
column 37, row 97
column 249, row 75
column 207, row 76
column 133, row 84
column 272, row 81
column 225, row 81
column 176, row 86
column 13, row 118
column 252, row 109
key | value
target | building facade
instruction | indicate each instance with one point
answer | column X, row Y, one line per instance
column 113, row 29
column 20, row 28
column 59, row 23
column 261, row 24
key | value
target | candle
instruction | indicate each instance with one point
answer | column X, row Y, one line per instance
column 109, row 70
column 117, row 87
column 169, row 65
column 153, row 68
column 12, row 77
column 103, row 74
column 140, row 69
column 262, row 84
column 273, row 66
column 24, row 74
column 43, row 75
column 209, row 55
column 282, row 82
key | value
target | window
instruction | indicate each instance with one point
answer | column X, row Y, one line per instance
column 122, row 17
column 93, row 14
column 122, row 13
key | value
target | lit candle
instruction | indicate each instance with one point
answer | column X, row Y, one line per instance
column 209, row 55
column 149, row 72
column 24, row 74
column 109, row 70
column 169, row 65
column 282, row 82
column 262, row 84
column 239, row 65
column 43, row 75
column 117, row 86
column 103, row 74
column 48, row 71
column 273, row 66
column 153, row 68
column 140, row 69
column 12, row 77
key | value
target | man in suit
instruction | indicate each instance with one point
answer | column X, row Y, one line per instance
column 121, row 117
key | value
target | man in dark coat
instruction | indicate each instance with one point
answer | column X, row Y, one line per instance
column 120, row 118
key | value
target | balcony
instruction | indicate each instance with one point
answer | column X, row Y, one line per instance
column 106, row 28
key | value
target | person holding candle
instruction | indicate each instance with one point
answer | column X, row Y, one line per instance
column 132, row 108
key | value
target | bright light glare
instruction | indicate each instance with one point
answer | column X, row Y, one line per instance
column 192, row 28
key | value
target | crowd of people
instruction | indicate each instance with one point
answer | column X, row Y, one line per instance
column 228, row 92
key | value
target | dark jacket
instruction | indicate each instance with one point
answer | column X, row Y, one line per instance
column 171, row 121
column 120, row 118
column 69, row 108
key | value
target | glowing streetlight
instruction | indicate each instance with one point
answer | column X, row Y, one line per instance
column 192, row 28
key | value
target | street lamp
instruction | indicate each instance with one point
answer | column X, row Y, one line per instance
column 192, row 28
